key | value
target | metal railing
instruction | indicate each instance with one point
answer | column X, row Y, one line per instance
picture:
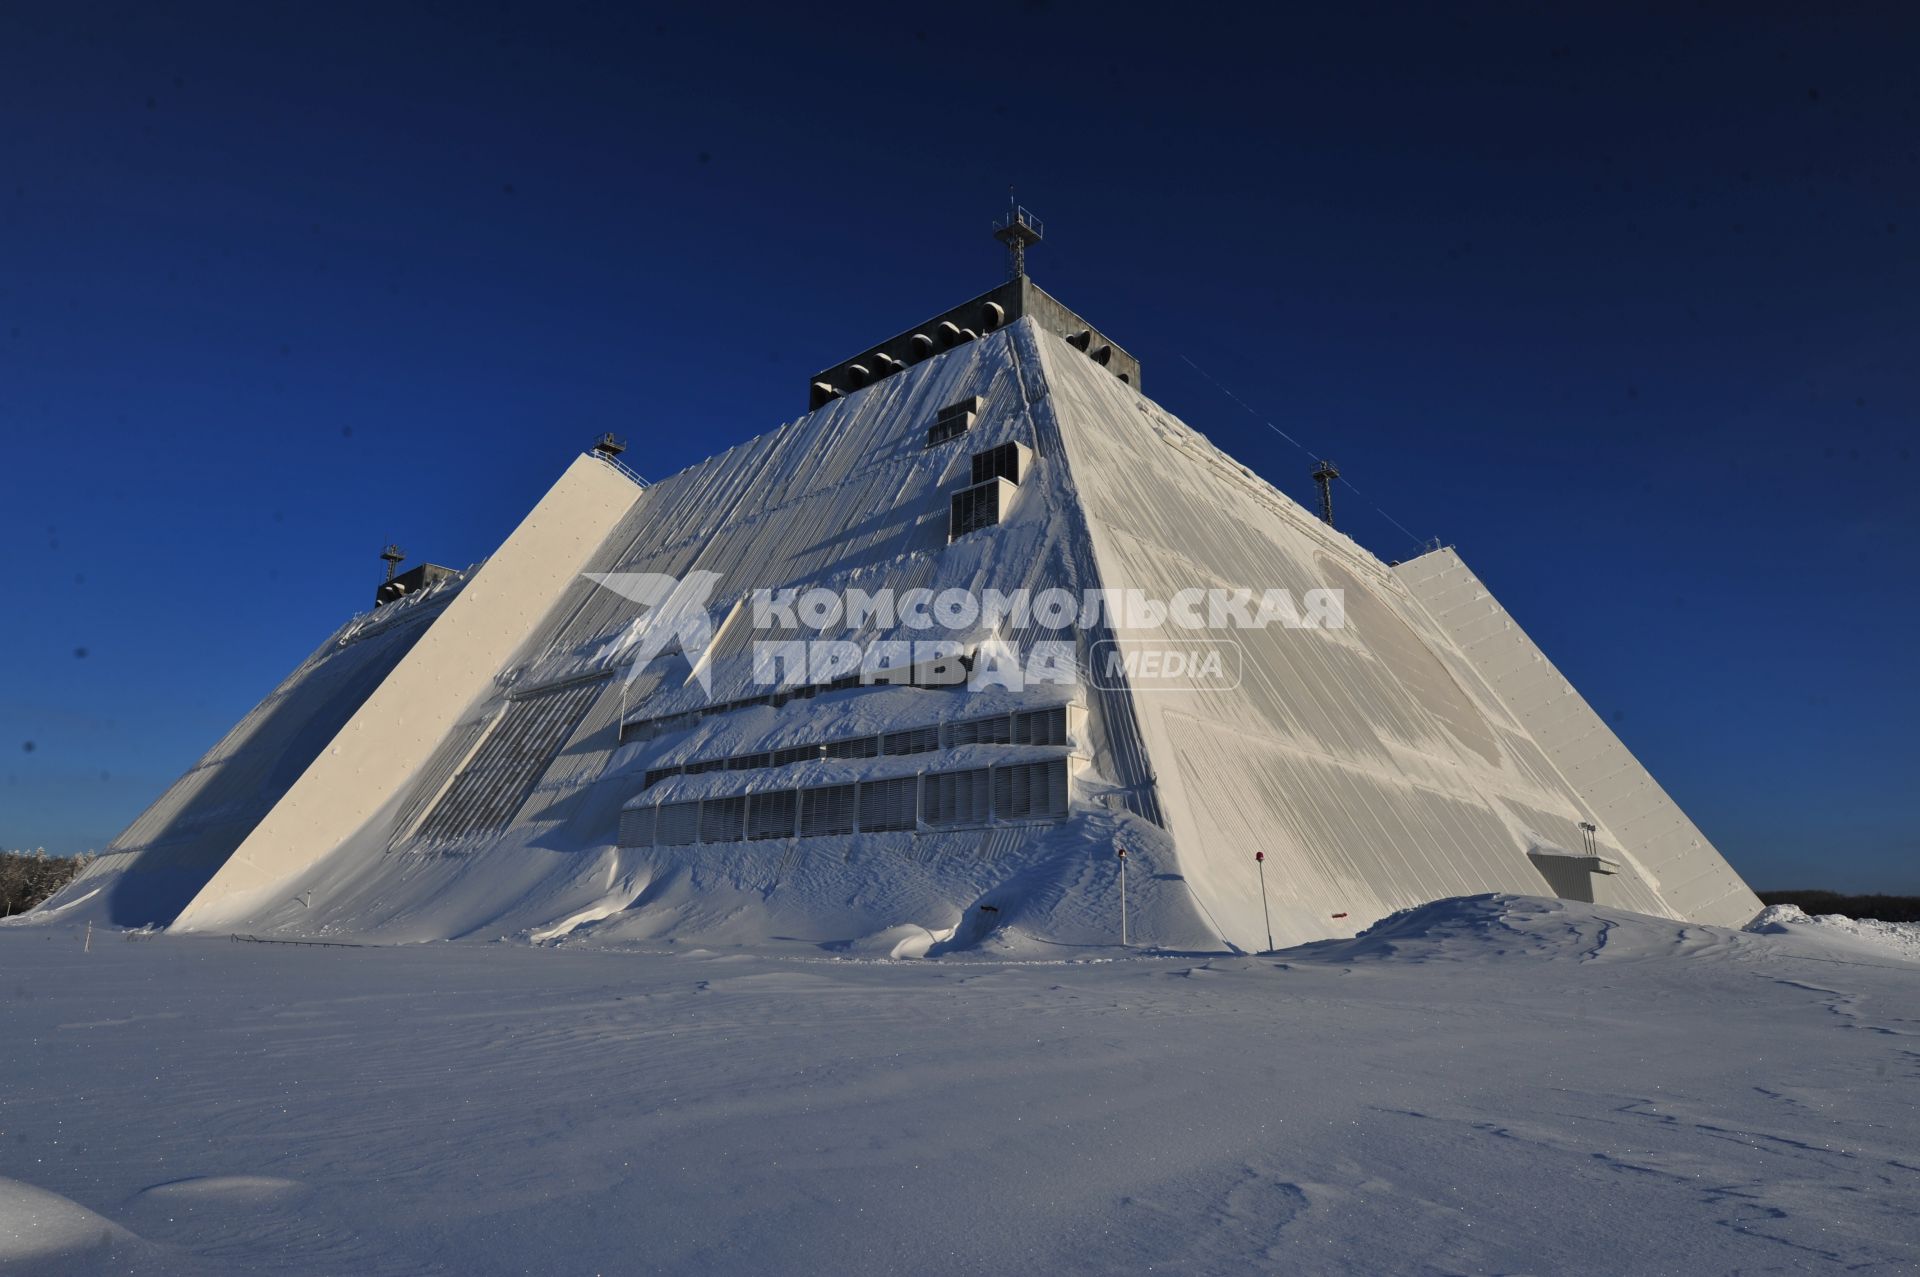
column 621, row 466
column 1018, row 216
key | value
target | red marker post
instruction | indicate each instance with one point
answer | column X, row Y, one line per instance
column 1260, row 859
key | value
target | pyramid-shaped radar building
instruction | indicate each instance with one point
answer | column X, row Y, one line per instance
column 905, row 675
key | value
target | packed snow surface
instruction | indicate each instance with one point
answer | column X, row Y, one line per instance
column 1900, row 937
column 1490, row 1084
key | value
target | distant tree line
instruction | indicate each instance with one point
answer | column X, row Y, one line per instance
column 1885, row 908
column 28, row 877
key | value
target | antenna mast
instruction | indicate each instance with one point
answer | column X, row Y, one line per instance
column 394, row 556
column 1324, row 475
column 1016, row 230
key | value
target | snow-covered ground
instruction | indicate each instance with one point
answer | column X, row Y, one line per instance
column 1495, row 1084
column 1902, row 937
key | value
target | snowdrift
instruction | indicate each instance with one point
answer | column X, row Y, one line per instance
column 1479, row 929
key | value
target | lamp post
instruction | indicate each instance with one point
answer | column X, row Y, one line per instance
column 1122, row 854
column 1260, row 859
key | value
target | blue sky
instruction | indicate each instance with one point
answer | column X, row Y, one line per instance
column 1621, row 307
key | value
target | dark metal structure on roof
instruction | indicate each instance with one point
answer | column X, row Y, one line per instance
column 1018, row 298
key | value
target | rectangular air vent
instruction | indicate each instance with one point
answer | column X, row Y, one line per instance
column 1041, row 726
column 723, row 819
column 678, row 825
column 770, row 815
column 636, row 827
column 889, row 804
column 914, row 740
column 955, row 798
column 1030, row 791
column 980, row 506
column 953, row 421
column 1008, row 461
column 826, row 810
column 510, row 761
column 997, row 730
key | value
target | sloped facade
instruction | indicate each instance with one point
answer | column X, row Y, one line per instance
column 542, row 756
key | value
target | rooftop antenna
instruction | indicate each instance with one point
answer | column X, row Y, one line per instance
column 1324, row 475
column 394, row 556
column 1016, row 230
column 608, row 446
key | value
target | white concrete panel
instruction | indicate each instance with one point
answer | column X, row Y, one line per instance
column 1370, row 763
column 172, row 849
column 1378, row 766
column 398, row 727
column 1693, row 878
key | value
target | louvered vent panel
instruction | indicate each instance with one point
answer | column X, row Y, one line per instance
column 826, row 810
column 678, row 825
column 1041, row 726
column 723, row 819
column 434, row 778
column 771, row 815
column 889, row 804
column 636, row 827
column 973, row 509
column 955, row 798
column 997, row 730
column 953, row 421
column 1030, row 791
column 509, row 763
column 1002, row 462
column 917, row 740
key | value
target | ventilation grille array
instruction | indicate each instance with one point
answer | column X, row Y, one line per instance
column 1002, row 462
column 973, row 509
column 956, row 798
column 935, row 674
column 1046, row 726
column 889, row 804
column 1030, row 791
column 989, row 731
column 827, row 810
column 976, row 796
column 772, row 815
column 953, row 421
column 509, row 763
column 722, row 819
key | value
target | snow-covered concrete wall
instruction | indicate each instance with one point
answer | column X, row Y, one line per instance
column 150, row 872
column 399, row 725
column 850, row 497
column 1367, row 762
column 485, row 786
column 1667, row 849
